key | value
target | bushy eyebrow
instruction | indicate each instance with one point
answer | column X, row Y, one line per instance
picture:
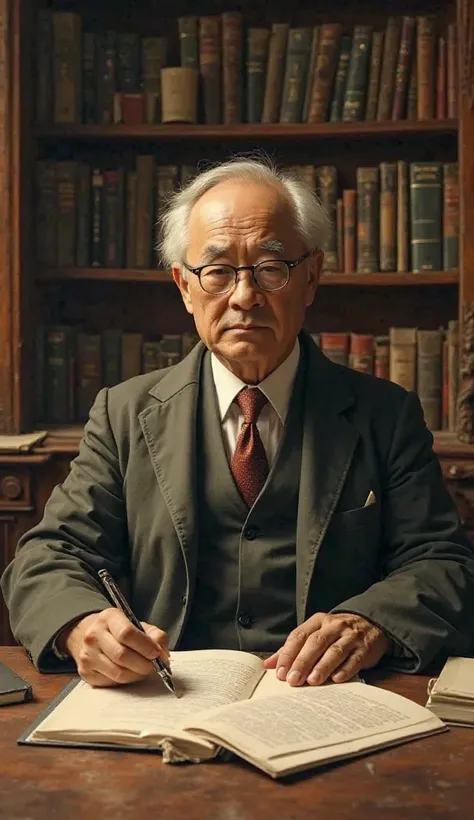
column 212, row 252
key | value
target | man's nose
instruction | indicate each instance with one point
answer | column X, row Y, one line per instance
column 246, row 292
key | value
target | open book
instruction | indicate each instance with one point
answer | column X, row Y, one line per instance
column 451, row 695
column 228, row 700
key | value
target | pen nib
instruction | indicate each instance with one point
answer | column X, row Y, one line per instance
column 170, row 685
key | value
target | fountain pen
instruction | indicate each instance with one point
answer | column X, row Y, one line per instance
column 122, row 604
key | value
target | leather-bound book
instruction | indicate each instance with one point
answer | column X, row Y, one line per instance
column 210, row 61
column 426, row 71
column 402, row 72
column 368, row 220
column 232, row 47
column 388, row 216
column 389, row 65
column 426, row 206
column 275, row 72
column 325, row 70
column 358, row 75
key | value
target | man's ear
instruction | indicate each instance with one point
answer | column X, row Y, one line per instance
column 182, row 283
column 314, row 267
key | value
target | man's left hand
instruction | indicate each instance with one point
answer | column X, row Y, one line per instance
column 336, row 646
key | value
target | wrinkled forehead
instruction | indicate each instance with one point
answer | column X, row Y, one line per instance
column 228, row 209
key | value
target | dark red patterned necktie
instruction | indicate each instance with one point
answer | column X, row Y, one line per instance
column 249, row 463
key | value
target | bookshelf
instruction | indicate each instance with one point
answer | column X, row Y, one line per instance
column 142, row 298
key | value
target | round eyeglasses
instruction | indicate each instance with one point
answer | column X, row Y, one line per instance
column 270, row 275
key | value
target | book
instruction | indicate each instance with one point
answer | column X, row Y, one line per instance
column 227, row 700
column 451, row 694
column 13, row 689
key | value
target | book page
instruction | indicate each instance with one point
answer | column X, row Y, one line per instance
column 204, row 679
column 456, row 680
column 309, row 718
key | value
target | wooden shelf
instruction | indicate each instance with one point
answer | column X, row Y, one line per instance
column 66, row 440
column 350, row 279
column 391, row 279
column 277, row 131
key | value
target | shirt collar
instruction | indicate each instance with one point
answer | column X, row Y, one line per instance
column 276, row 387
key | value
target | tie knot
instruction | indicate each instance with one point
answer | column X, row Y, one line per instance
column 251, row 401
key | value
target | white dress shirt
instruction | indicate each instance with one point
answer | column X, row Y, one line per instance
column 277, row 388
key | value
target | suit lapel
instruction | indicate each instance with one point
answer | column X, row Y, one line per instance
column 329, row 442
column 169, row 428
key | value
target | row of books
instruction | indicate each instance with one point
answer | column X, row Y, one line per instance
column 400, row 217
column 249, row 74
column 425, row 361
column 73, row 365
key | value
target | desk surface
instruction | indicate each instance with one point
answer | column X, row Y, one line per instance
column 428, row 778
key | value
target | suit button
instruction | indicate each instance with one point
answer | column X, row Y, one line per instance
column 251, row 533
column 245, row 620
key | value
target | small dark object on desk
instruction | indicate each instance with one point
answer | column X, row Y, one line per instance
column 13, row 689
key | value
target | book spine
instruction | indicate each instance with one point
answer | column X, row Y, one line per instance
column 327, row 185
column 210, row 66
column 107, row 78
column 389, row 66
column 388, row 216
column 296, row 70
column 67, row 67
column 403, row 217
column 170, row 349
column 44, row 67
column 144, row 223
column 83, row 227
column 403, row 356
column 340, row 82
column 362, row 352
column 154, row 56
column 429, row 375
column 189, row 41
column 452, row 71
column 340, row 235
column 336, row 347
column 412, row 102
column 374, row 75
column 131, row 355
column 441, row 80
column 382, row 357
column 58, row 375
column 326, row 64
column 131, row 218
column 66, row 247
column 89, row 372
column 89, row 78
column 275, row 72
column 40, row 378
column 232, row 39
column 311, row 69
column 96, row 218
column 425, row 215
column 128, row 62
column 445, row 386
column 151, row 357
column 357, row 77
column 166, row 184
column 451, row 216
column 367, row 220
column 402, row 71
column 114, row 227
column 349, row 198
column 257, row 52
column 426, row 75
column 46, row 213
column 453, row 373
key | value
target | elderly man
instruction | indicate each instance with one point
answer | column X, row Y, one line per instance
column 255, row 496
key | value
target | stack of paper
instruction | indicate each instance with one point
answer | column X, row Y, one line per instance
column 451, row 696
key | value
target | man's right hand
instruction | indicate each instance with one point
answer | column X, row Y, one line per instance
column 109, row 650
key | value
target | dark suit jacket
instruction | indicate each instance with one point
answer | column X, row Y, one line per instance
column 128, row 504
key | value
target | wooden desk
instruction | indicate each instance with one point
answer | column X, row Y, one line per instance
column 429, row 778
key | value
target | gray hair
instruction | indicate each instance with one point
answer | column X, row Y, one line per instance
column 311, row 220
